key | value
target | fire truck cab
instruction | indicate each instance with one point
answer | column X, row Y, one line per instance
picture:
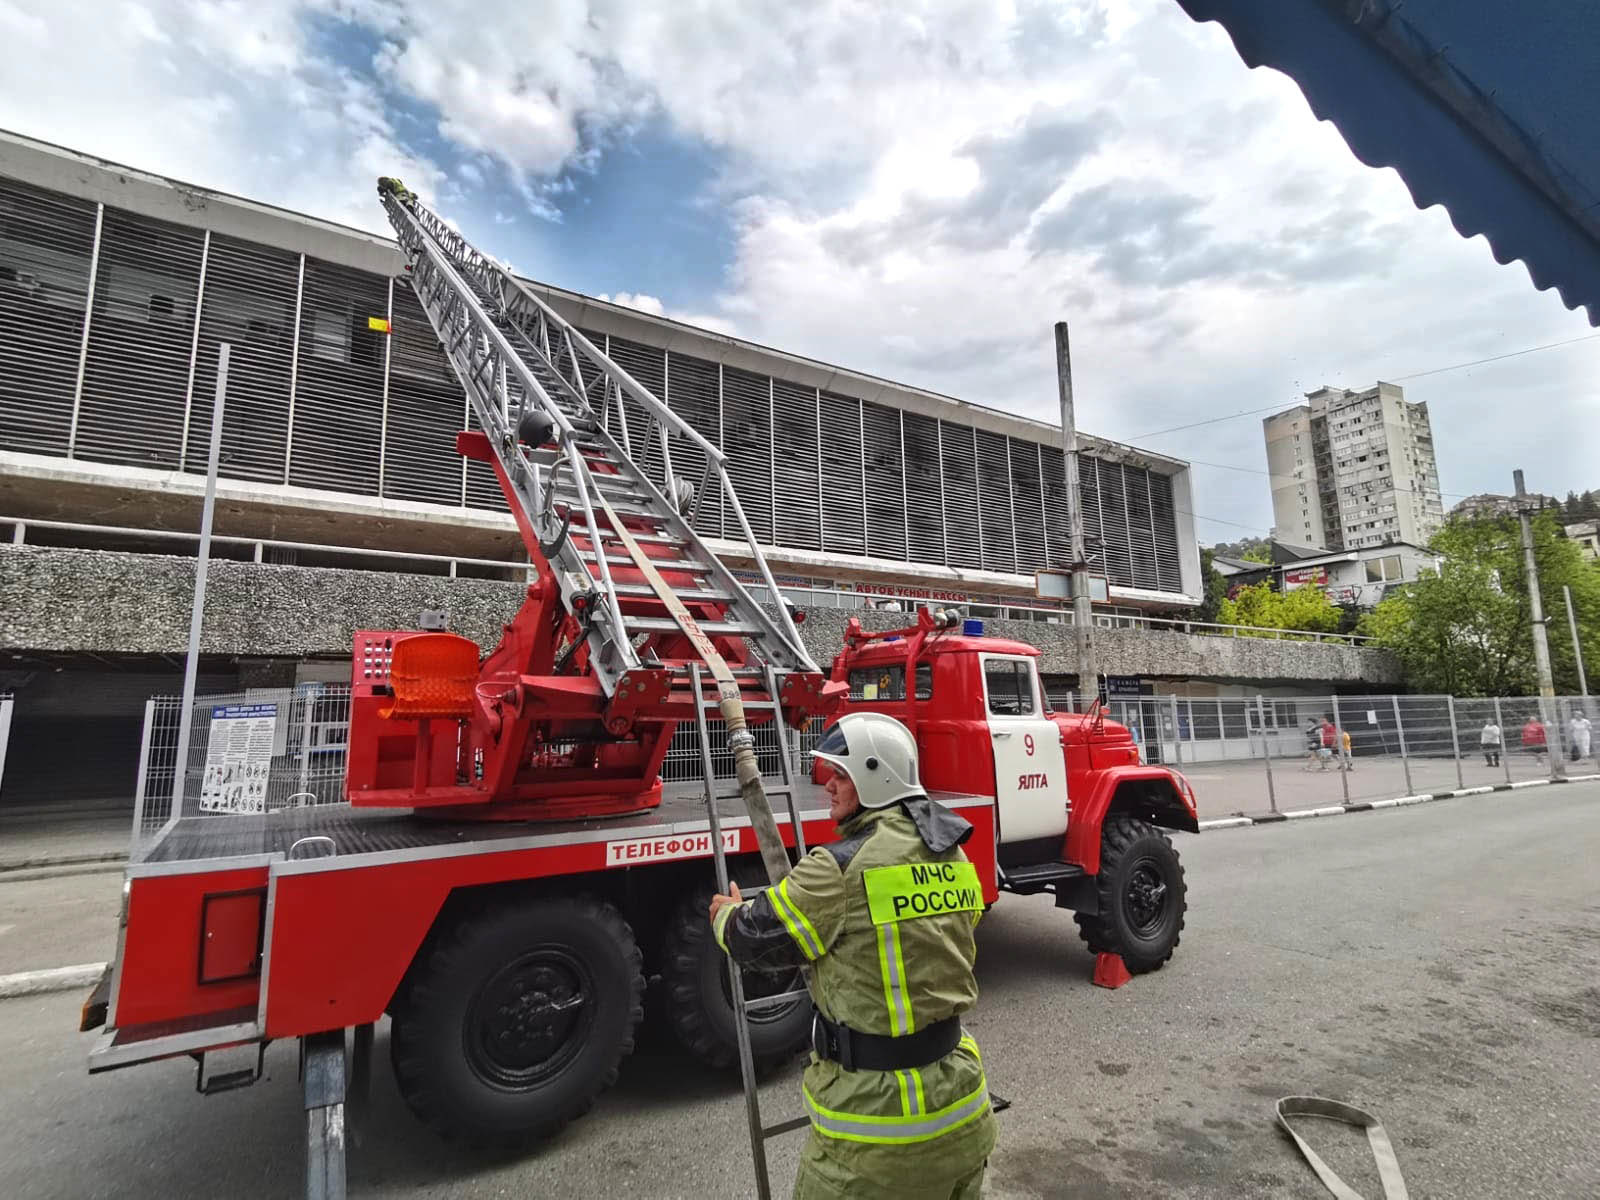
column 1076, row 812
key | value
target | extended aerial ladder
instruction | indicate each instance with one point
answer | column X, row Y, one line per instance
column 581, row 697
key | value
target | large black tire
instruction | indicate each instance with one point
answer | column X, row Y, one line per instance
column 695, row 972
column 517, row 1018
column 1142, row 896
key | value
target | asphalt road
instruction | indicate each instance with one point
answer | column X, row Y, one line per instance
column 1438, row 965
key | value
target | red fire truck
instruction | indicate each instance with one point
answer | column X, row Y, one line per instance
column 507, row 868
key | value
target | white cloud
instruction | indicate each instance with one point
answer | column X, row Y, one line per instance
column 918, row 190
column 646, row 304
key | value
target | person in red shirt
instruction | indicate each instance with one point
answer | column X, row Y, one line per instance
column 1533, row 739
column 1330, row 738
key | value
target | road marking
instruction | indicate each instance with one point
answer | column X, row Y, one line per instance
column 56, row 979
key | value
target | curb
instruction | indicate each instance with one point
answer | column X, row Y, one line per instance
column 1336, row 810
column 45, row 861
column 56, row 979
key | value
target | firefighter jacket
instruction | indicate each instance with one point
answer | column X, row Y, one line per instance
column 884, row 919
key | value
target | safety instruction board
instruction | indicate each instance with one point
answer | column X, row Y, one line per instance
column 239, row 758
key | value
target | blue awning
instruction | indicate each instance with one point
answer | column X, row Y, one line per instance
column 1486, row 107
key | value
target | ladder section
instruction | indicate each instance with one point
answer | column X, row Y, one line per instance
column 759, row 1133
column 585, row 456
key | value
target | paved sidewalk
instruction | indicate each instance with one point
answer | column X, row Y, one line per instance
column 46, row 838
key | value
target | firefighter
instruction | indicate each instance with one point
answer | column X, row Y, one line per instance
column 884, row 918
column 402, row 193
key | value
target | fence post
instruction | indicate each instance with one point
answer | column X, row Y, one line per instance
column 144, row 773
column 1346, row 765
column 307, row 706
column 1505, row 758
column 1455, row 741
column 1266, row 751
column 1222, row 732
column 1400, row 731
column 1177, row 736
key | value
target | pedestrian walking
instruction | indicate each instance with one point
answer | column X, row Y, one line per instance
column 1347, row 761
column 885, row 918
column 1533, row 739
column 1327, row 736
column 1580, row 732
column 1313, row 744
column 1489, row 743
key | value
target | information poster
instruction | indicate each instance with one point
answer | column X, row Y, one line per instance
column 238, row 758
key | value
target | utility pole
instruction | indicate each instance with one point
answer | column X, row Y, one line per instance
column 1082, row 613
column 1577, row 646
column 1541, row 644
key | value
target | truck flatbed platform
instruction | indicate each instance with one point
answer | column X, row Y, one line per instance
column 367, row 831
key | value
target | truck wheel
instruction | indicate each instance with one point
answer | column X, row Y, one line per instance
column 1142, row 896
column 695, row 971
column 517, row 1018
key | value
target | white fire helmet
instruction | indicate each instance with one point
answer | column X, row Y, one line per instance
column 879, row 755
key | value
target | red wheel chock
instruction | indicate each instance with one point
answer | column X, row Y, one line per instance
column 1110, row 971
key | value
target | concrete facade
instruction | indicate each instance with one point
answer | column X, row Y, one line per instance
column 100, row 602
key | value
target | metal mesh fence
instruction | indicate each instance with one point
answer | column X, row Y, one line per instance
column 297, row 756
column 249, row 752
column 1244, row 755
column 1258, row 754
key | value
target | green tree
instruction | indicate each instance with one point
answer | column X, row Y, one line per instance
column 1260, row 607
column 1216, row 588
column 1465, row 629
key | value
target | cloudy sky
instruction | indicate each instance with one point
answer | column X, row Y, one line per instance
column 917, row 191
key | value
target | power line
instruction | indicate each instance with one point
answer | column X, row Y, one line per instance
column 1477, row 362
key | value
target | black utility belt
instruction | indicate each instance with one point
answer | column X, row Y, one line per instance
column 857, row 1051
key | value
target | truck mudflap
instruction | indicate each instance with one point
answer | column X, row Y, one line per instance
column 1159, row 795
column 93, row 1013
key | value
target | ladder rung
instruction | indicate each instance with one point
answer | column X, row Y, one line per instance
column 793, row 1123
column 690, row 595
column 776, row 790
column 660, row 564
column 774, row 1001
column 623, row 508
column 668, row 625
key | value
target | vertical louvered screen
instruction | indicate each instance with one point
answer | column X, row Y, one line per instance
column 692, row 394
column 843, row 500
column 483, row 489
column 338, row 407
column 1141, row 531
column 1089, row 497
column 140, row 335
column 1058, row 542
column 924, row 501
column 747, row 441
column 249, row 303
column 1116, row 550
column 647, row 365
column 1027, row 501
column 46, row 241
column 963, row 532
column 886, row 505
column 1164, row 516
column 425, row 410
column 994, row 495
column 794, row 460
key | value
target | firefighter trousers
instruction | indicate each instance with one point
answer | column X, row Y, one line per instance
column 824, row 1178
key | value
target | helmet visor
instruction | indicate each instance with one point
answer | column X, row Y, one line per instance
column 833, row 743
